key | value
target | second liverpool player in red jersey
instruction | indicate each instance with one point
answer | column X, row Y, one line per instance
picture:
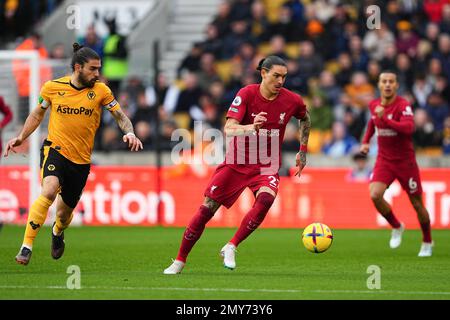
column 392, row 120
column 256, row 121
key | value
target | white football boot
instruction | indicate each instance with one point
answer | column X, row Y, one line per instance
column 426, row 249
column 175, row 268
column 396, row 236
column 228, row 253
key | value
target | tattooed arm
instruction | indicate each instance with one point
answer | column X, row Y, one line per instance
column 300, row 159
column 127, row 128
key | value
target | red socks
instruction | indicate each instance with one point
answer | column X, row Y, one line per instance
column 194, row 231
column 392, row 220
column 254, row 217
column 426, row 232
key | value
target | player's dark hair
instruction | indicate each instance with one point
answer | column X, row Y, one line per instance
column 82, row 54
column 389, row 71
column 270, row 61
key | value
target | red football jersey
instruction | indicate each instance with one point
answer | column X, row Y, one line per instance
column 394, row 130
column 261, row 152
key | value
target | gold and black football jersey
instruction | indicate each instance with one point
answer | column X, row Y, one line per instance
column 75, row 116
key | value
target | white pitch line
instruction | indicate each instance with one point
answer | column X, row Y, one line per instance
column 231, row 290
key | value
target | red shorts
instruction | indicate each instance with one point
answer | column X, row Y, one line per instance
column 226, row 185
column 407, row 173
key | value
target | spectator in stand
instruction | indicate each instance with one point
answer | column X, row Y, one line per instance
column 60, row 65
column 443, row 54
column 432, row 34
column 165, row 138
column 93, row 41
column 355, row 122
column 291, row 139
column 297, row 9
column 278, row 46
column 259, row 24
column 216, row 91
column 315, row 33
column 239, row 34
column 310, row 63
column 405, row 73
column 213, row 44
column 189, row 98
column 144, row 112
column 341, row 143
column 134, row 88
column 223, row 19
column 361, row 170
column 446, row 136
column 156, row 94
column 424, row 134
column 407, row 39
column 376, row 41
column 345, row 69
column 390, row 54
column 359, row 89
column 211, row 112
column 111, row 140
column 392, row 14
column 359, row 57
column 420, row 62
column 115, row 57
column 434, row 71
column 144, row 131
column 320, row 113
column 328, row 86
column 286, row 26
column 241, row 9
column 442, row 87
column 433, row 9
column 340, row 29
column 244, row 57
column 421, row 89
column 444, row 25
column 296, row 80
column 373, row 72
column 207, row 72
column 438, row 109
column 191, row 62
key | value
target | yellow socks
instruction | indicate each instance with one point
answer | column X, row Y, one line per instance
column 36, row 218
column 61, row 225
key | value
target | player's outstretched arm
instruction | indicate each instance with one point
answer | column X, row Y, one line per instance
column 126, row 126
column 305, row 128
column 33, row 120
column 370, row 130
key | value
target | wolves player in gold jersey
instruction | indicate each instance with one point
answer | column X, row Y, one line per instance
column 76, row 103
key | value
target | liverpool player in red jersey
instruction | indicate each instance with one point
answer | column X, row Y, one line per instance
column 392, row 120
column 255, row 126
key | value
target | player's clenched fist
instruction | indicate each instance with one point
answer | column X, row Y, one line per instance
column 379, row 111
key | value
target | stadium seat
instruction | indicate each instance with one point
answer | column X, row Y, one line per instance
column 272, row 9
column 317, row 139
column 223, row 69
column 182, row 119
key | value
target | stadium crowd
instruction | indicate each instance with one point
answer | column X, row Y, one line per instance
column 334, row 60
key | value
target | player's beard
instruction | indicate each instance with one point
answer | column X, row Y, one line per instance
column 85, row 82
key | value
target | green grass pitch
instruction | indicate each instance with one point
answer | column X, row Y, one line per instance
column 272, row 264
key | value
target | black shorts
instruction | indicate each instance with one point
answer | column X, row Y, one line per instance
column 72, row 176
